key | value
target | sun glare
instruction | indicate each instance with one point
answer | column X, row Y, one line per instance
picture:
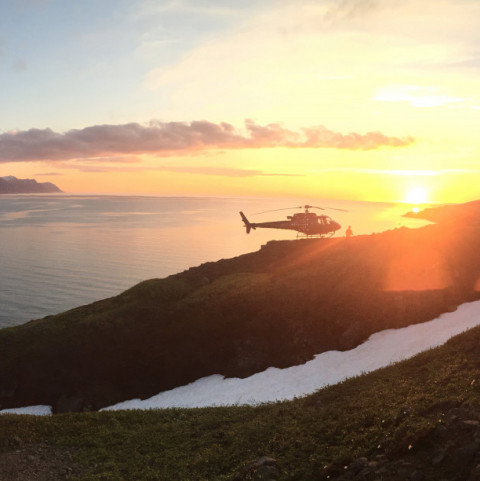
column 416, row 195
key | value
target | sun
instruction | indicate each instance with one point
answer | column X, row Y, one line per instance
column 416, row 195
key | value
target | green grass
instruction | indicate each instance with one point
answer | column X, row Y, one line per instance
column 396, row 411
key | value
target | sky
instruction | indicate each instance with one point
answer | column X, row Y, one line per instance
column 348, row 99
column 331, row 367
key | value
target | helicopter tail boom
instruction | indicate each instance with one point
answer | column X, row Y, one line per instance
column 248, row 226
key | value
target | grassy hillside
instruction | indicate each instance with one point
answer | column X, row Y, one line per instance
column 419, row 419
column 276, row 307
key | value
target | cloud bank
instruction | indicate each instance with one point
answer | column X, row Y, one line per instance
column 176, row 138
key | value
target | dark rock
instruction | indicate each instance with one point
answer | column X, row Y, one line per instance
column 266, row 472
column 262, row 469
column 7, row 389
column 475, row 474
column 464, row 454
column 402, row 472
column 357, row 465
column 72, row 404
column 417, row 475
column 458, row 412
column 438, row 458
column 263, row 461
column 404, row 413
column 351, row 338
column 471, row 422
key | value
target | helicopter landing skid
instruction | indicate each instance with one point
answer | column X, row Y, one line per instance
column 301, row 235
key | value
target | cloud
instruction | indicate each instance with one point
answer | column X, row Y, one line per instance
column 404, row 172
column 350, row 9
column 285, row 60
column 176, row 138
column 226, row 172
column 416, row 96
column 215, row 171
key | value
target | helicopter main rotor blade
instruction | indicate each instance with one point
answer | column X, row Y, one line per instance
column 313, row 207
column 275, row 210
column 324, row 208
column 341, row 210
column 301, row 207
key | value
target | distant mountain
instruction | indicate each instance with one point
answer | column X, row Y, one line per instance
column 12, row 185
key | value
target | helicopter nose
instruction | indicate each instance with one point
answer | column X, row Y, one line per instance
column 336, row 225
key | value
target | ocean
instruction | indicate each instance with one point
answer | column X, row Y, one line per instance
column 61, row 251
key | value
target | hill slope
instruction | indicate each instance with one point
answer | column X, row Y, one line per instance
column 415, row 420
column 275, row 307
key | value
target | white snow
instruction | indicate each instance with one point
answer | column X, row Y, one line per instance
column 380, row 350
column 39, row 410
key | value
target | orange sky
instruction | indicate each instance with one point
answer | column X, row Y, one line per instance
column 353, row 99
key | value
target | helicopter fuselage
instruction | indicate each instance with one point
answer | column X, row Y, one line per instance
column 307, row 223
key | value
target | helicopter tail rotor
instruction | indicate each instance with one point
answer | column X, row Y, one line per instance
column 248, row 226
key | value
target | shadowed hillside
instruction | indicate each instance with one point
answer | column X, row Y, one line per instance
column 275, row 307
column 416, row 420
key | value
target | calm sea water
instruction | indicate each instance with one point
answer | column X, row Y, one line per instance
column 61, row 251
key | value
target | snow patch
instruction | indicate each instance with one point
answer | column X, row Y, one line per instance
column 331, row 367
column 39, row 410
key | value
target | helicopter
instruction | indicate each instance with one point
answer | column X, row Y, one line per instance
column 305, row 223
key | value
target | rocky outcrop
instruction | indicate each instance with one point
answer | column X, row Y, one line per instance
column 264, row 468
column 12, row 185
